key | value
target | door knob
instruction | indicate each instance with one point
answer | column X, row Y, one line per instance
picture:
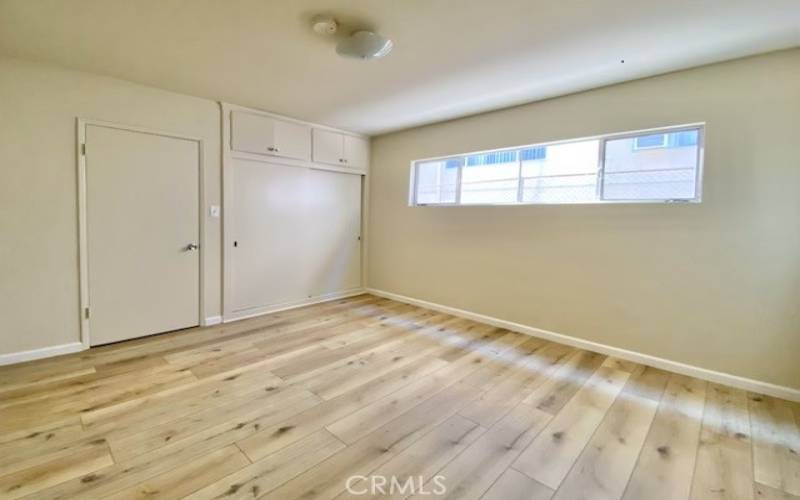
column 191, row 246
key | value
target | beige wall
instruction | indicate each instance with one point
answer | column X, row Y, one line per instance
column 38, row 200
column 716, row 285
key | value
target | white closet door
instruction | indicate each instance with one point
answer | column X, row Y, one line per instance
column 270, row 218
column 142, row 207
column 335, row 230
column 295, row 235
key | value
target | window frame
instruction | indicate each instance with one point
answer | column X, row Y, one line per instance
column 700, row 127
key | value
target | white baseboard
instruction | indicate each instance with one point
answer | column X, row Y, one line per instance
column 212, row 320
column 252, row 313
column 747, row 384
column 44, row 352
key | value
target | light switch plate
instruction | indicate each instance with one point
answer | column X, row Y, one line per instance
column 213, row 210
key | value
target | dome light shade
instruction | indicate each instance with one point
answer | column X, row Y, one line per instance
column 364, row 45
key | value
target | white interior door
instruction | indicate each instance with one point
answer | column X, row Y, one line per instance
column 142, row 212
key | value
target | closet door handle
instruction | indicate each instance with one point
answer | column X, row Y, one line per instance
column 273, row 149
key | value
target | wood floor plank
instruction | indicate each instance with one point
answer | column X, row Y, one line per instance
column 369, row 417
column 724, row 468
column 329, row 478
column 183, row 480
column 418, row 463
column 776, row 443
column 282, row 434
column 328, row 412
column 153, row 408
column 39, row 477
column 554, row 394
column 122, row 475
column 764, row 492
column 272, row 471
column 604, row 467
column 530, row 374
column 375, row 337
column 27, row 457
column 246, row 411
column 514, row 360
column 666, row 463
column 514, row 485
column 551, row 455
column 357, row 370
column 9, row 385
column 473, row 472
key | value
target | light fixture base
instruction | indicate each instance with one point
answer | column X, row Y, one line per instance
column 324, row 25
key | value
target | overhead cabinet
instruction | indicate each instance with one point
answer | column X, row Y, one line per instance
column 261, row 134
column 292, row 214
column 336, row 148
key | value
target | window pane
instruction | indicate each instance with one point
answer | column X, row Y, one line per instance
column 490, row 178
column 650, row 141
column 436, row 181
column 663, row 173
column 561, row 173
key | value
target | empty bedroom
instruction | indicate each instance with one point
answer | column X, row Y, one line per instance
column 400, row 249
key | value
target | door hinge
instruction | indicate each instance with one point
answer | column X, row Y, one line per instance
column 83, row 149
column 86, row 312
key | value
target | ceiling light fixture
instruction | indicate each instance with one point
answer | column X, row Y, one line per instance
column 364, row 45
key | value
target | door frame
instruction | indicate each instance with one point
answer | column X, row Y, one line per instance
column 83, row 227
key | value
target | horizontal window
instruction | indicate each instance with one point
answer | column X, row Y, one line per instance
column 648, row 166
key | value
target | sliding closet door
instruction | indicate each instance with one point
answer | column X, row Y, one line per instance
column 335, row 232
column 269, row 254
column 295, row 235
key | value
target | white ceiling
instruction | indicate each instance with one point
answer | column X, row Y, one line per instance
column 451, row 57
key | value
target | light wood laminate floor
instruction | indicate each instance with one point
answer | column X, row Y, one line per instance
column 292, row 404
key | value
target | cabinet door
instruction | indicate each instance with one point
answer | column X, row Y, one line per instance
column 356, row 151
column 251, row 133
column 328, row 147
column 291, row 140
